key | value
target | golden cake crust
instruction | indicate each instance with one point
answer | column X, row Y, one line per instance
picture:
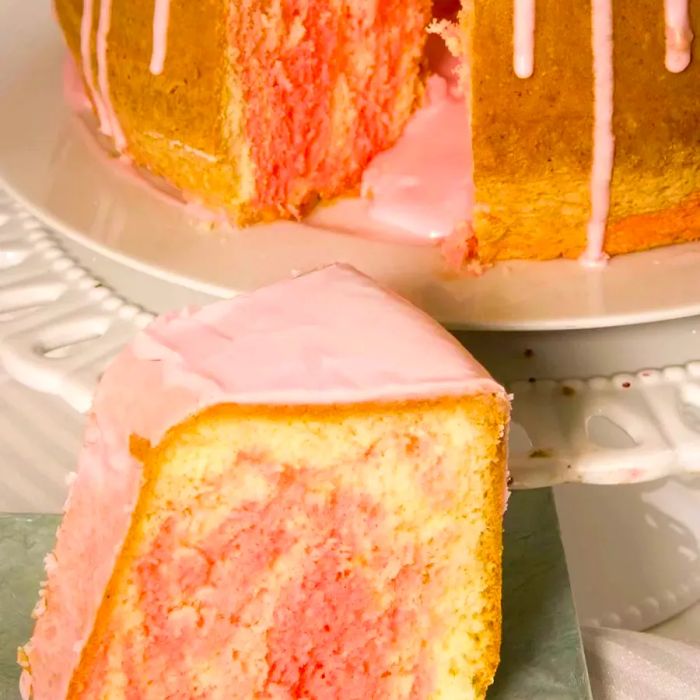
column 533, row 138
column 174, row 123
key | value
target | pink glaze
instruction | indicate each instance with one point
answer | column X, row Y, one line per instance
column 302, row 336
column 329, row 336
column 74, row 87
column 197, row 210
column 603, row 136
column 423, row 184
column 524, row 38
column 86, row 22
column 161, row 20
column 109, row 122
column 679, row 35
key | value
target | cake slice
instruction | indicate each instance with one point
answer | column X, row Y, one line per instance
column 297, row 493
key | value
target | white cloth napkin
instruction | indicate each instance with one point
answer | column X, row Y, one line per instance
column 624, row 665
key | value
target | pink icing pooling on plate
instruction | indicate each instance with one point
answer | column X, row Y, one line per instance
column 679, row 36
column 294, row 342
column 110, row 126
column 73, row 87
column 524, row 38
column 423, row 184
column 603, row 137
column 161, row 20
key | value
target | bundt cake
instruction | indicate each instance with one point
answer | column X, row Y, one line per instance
column 297, row 493
column 580, row 133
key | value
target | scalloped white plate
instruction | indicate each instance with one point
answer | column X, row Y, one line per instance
column 50, row 163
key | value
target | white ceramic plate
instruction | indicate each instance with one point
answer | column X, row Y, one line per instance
column 50, row 163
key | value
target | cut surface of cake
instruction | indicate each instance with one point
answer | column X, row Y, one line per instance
column 576, row 130
column 297, row 493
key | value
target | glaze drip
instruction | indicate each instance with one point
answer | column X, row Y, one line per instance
column 679, row 36
column 99, row 89
column 423, row 184
column 161, row 21
column 524, row 38
column 86, row 59
column 603, row 136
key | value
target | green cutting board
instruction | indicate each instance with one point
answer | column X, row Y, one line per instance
column 542, row 655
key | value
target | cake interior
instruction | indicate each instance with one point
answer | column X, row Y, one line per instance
column 300, row 139
column 288, row 552
column 421, row 189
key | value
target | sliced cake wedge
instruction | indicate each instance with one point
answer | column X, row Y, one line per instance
column 297, row 493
